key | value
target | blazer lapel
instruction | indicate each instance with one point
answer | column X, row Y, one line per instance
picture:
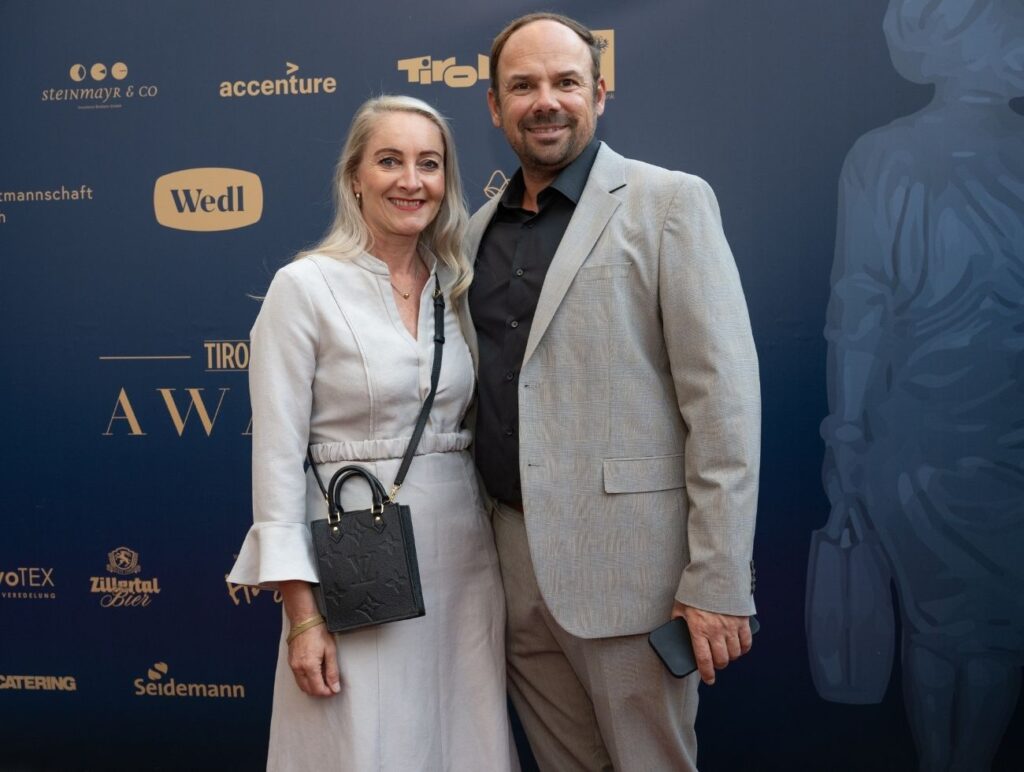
column 594, row 210
column 474, row 234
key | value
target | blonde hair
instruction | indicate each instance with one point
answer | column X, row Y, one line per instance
column 349, row 236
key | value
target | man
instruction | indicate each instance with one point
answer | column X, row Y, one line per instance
column 618, row 417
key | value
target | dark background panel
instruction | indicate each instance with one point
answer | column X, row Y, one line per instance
column 763, row 100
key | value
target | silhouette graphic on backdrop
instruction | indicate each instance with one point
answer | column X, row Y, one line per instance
column 924, row 464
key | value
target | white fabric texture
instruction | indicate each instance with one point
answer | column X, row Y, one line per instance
column 333, row 366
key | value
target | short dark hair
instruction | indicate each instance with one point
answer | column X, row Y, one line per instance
column 583, row 32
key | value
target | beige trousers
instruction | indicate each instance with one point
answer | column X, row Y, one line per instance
column 587, row 704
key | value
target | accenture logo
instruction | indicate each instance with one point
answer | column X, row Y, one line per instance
column 208, row 199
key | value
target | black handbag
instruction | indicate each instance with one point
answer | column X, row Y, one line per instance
column 366, row 559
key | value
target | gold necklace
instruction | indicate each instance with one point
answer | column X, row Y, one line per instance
column 405, row 295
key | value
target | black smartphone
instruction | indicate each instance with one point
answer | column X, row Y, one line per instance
column 672, row 643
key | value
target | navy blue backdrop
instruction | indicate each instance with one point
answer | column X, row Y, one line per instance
column 125, row 479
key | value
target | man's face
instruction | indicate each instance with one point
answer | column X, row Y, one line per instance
column 546, row 102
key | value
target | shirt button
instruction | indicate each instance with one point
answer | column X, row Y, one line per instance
column 510, row 375
column 513, row 324
column 520, row 271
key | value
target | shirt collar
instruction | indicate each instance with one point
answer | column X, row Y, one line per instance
column 570, row 181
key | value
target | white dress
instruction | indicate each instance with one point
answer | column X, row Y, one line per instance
column 333, row 366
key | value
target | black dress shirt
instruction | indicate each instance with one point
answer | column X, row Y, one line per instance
column 513, row 259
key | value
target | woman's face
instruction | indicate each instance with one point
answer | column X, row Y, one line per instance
column 401, row 176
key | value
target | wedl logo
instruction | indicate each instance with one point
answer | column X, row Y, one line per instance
column 208, row 199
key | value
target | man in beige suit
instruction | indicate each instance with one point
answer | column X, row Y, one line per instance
column 618, row 423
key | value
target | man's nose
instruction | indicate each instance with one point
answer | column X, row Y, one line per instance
column 547, row 99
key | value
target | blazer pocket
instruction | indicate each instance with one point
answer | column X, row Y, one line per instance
column 638, row 475
column 603, row 271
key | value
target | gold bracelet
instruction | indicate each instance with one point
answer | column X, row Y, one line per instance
column 301, row 627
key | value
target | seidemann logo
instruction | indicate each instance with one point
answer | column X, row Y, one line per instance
column 156, row 686
column 208, row 199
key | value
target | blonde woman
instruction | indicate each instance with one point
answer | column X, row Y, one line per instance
column 341, row 359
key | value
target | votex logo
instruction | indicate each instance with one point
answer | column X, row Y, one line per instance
column 208, row 199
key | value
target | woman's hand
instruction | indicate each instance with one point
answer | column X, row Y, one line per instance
column 311, row 654
column 314, row 662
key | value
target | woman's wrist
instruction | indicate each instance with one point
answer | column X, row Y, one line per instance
column 306, row 624
column 299, row 603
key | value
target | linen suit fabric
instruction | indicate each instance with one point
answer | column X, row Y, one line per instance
column 334, row 367
column 639, row 449
column 639, row 408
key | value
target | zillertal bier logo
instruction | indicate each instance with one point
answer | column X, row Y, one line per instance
column 158, row 686
column 208, row 199
column 123, row 593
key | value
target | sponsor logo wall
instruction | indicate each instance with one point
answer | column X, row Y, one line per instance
column 159, row 161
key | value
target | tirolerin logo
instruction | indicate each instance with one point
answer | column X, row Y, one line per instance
column 156, row 686
column 425, row 70
column 43, row 683
column 124, row 593
column 208, row 199
column 27, row 583
column 287, row 86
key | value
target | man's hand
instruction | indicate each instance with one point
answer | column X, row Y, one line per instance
column 718, row 639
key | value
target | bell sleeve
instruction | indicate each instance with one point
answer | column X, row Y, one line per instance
column 284, row 345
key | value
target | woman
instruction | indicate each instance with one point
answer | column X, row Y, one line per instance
column 341, row 359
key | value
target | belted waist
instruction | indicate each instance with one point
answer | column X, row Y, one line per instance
column 383, row 449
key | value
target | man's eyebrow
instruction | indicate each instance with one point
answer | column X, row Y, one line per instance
column 526, row 76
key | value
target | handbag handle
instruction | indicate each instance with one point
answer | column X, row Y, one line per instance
column 421, row 421
column 334, row 508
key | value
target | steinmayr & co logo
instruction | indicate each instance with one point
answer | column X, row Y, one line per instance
column 291, row 85
column 91, row 95
column 156, row 686
column 27, row 583
column 123, row 593
column 208, row 199
column 426, row 70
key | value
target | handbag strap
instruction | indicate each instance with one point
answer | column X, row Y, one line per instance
column 428, row 403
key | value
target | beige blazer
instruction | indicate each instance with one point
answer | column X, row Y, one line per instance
column 639, row 407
